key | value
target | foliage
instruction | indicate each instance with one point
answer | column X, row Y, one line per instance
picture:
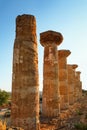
column 81, row 126
column 3, row 97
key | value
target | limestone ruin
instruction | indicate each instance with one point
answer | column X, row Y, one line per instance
column 70, row 84
column 62, row 86
column 74, row 66
column 78, row 85
column 63, row 78
column 50, row 105
column 25, row 90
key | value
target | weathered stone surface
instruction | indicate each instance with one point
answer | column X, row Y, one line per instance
column 25, row 91
column 50, row 104
column 63, row 78
column 78, row 85
column 74, row 66
column 70, row 84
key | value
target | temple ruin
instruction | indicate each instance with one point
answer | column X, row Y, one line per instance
column 62, row 86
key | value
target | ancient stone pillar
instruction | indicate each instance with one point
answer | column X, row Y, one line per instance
column 70, row 84
column 78, row 85
column 25, row 92
column 50, row 103
column 63, row 78
column 74, row 66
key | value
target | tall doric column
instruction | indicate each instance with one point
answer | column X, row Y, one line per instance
column 74, row 66
column 50, row 104
column 70, row 84
column 25, row 90
column 63, row 78
column 78, row 85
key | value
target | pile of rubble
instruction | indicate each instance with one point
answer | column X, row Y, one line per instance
column 14, row 128
column 76, row 115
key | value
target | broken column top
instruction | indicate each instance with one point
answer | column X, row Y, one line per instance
column 63, row 53
column 25, row 19
column 50, row 37
column 25, row 27
column 74, row 66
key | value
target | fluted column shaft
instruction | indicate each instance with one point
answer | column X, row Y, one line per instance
column 63, row 78
column 50, row 103
column 25, row 90
column 70, row 84
column 79, row 85
column 74, row 66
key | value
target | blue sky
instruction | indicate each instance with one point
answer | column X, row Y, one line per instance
column 66, row 16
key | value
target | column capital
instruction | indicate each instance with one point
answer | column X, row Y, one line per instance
column 63, row 53
column 50, row 37
column 78, row 72
column 74, row 66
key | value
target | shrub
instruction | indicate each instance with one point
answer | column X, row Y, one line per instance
column 3, row 97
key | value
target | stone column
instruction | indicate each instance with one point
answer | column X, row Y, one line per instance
column 63, row 78
column 78, row 85
column 70, row 84
column 50, row 103
column 25, row 90
column 74, row 66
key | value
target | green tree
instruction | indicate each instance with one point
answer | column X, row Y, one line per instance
column 3, row 97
